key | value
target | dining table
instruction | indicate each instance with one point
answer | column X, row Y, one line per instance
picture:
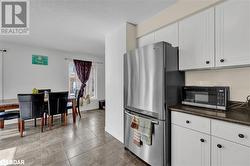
column 12, row 104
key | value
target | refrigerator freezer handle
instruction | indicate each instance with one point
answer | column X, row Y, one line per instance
column 130, row 114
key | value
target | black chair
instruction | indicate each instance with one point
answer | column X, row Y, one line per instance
column 57, row 104
column 31, row 106
column 69, row 105
column 8, row 116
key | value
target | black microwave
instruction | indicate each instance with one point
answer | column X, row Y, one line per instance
column 208, row 97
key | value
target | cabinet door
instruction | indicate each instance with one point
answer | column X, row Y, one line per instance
column 226, row 153
column 189, row 148
column 147, row 39
column 168, row 34
column 233, row 33
column 196, row 41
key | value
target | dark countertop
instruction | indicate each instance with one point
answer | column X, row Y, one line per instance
column 239, row 115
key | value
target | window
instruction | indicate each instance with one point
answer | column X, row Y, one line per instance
column 75, row 83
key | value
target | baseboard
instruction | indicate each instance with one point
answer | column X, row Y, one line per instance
column 115, row 135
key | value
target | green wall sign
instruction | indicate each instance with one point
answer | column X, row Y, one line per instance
column 39, row 60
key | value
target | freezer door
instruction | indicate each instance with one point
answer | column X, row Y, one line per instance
column 144, row 80
column 153, row 154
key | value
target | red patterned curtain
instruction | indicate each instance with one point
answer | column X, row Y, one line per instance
column 83, row 71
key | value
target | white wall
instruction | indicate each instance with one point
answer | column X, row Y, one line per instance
column 100, row 81
column 20, row 76
column 116, row 44
column 238, row 79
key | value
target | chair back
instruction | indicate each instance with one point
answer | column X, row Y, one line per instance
column 44, row 90
column 57, row 103
column 31, row 105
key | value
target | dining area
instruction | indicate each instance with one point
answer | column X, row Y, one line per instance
column 54, row 98
column 44, row 105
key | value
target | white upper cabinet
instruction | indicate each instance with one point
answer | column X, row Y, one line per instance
column 196, row 41
column 147, row 39
column 168, row 34
column 233, row 33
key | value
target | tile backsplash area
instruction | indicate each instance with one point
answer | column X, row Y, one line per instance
column 238, row 79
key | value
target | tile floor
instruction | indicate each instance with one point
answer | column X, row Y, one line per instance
column 85, row 143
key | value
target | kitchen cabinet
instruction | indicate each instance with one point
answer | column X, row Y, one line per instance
column 233, row 132
column 226, row 143
column 196, row 41
column 147, row 39
column 197, row 123
column 226, row 153
column 168, row 34
column 232, row 22
column 214, row 38
column 189, row 147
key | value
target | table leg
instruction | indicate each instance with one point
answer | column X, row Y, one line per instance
column 22, row 127
column 1, row 124
column 45, row 119
column 42, row 123
column 74, row 110
column 50, row 122
column 19, row 121
column 65, row 119
column 52, row 119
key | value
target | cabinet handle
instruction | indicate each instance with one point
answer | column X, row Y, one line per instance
column 207, row 62
column 187, row 121
column 222, row 60
column 202, row 140
column 219, row 145
column 241, row 135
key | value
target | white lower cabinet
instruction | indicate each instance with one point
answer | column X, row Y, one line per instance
column 226, row 153
column 189, row 147
column 219, row 147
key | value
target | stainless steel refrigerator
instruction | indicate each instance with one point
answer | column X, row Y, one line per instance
column 152, row 83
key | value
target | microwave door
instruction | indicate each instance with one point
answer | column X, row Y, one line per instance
column 203, row 98
column 197, row 97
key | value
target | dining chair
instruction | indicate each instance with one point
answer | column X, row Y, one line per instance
column 57, row 104
column 31, row 106
column 44, row 90
column 70, row 106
